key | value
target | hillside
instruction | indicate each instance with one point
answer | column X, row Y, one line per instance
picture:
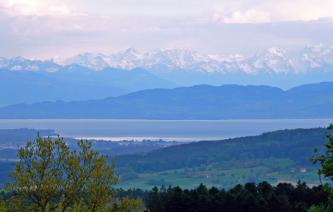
column 275, row 156
column 293, row 144
column 198, row 102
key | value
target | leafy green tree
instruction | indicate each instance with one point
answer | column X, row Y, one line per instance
column 127, row 205
column 325, row 159
column 51, row 177
column 2, row 206
column 320, row 208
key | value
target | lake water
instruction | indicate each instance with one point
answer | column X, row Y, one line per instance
column 189, row 130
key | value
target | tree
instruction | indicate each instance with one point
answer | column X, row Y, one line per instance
column 325, row 160
column 127, row 204
column 51, row 177
column 320, row 208
column 2, row 206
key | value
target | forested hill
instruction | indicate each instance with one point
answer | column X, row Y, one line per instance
column 198, row 102
column 274, row 156
column 295, row 146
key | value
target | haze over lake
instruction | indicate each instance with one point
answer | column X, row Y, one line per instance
column 175, row 130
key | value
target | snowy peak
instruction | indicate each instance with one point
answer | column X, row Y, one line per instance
column 169, row 59
column 88, row 60
column 23, row 64
column 174, row 59
column 318, row 56
column 273, row 61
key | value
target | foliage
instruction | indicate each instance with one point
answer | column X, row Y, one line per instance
column 320, row 208
column 2, row 206
column 128, row 205
column 249, row 197
column 325, row 159
column 51, row 177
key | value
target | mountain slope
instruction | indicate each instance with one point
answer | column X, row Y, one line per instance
column 198, row 102
column 72, row 83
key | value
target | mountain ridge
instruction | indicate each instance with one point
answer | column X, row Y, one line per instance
column 97, row 76
column 73, row 83
column 197, row 102
column 273, row 60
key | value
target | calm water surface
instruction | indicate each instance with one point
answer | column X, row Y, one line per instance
column 191, row 130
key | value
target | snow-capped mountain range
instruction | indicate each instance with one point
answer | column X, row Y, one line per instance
column 273, row 60
column 97, row 76
column 24, row 64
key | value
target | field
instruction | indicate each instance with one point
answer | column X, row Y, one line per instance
column 279, row 170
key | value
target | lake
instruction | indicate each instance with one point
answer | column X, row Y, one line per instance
column 180, row 130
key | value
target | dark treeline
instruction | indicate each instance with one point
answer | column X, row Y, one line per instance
column 250, row 197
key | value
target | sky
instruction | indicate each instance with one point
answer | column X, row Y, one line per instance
column 60, row 28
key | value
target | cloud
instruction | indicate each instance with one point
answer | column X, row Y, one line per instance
column 35, row 7
column 46, row 28
column 236, row 11
column 258, row 11
column 249, row 16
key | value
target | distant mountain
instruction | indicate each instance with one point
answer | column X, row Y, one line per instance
column 23, row 64
column 273, row 60
column 94, row 76
column 198, row 102
column 71, row 83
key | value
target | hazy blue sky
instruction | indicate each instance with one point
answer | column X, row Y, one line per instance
column 48, row 28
